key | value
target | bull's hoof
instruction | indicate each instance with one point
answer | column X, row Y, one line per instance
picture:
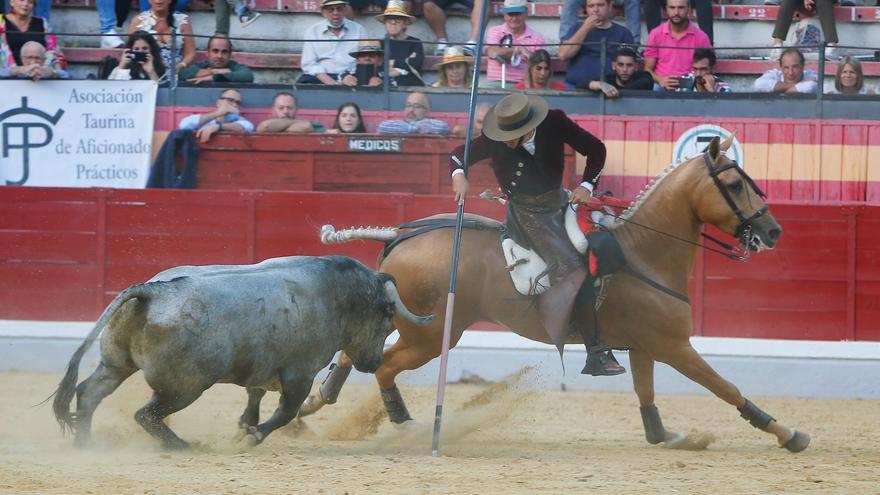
column 249, row 437
column 407, row 425
column 798, row 442
column 175, row 444
column 312, row 404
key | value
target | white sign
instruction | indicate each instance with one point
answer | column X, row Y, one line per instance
column 76, row 133
column 693, row 142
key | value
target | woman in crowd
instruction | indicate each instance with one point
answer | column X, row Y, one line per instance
column 348, row 120
column 455, row 69
column 161, row 21
column 407, row 54
column 850, row 80
column 19, row 26
column 141, row 59
column 539, row 74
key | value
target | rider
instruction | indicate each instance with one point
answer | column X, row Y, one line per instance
column 524, row 141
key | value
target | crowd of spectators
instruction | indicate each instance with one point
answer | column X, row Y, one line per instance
column 601, row 56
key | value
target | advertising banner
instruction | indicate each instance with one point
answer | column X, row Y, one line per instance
column 76, row 133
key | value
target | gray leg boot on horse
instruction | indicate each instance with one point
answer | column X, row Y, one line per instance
column 600, row 359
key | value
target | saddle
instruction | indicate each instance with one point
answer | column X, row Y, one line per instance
column 589, row 236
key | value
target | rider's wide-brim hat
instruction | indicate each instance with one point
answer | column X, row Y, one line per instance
column 395, row 8
column 514, row 116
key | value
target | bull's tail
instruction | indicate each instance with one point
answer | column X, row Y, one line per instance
column 67, row 387
column 329, row 235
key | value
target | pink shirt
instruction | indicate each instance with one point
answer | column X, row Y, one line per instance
column 674, row 61
column 529, row 37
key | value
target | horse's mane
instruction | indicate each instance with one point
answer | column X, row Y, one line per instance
column 646, row 191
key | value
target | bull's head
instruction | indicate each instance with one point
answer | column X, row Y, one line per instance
column 366, row 353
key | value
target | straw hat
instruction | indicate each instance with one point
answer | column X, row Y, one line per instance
column 328, row 3
column 367, row 46
column 395, row 8
column 454, row 54
column 515, row 6
column 514, row 116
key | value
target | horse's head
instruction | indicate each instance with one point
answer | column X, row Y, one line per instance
column 731, row 201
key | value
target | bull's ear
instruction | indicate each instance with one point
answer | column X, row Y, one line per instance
column 714, row 149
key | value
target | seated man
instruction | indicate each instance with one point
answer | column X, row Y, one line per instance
column 460, row 130
column 219, row 67
column 625, row 75
column 790, row 77
column 582, row 49
column 225, row 118
column 416, row 119
column 33, row 59
column 511, row 43
column 670, row 48
column 702, row 76
column 284, row 117
column 369, row 58
column 324, row 61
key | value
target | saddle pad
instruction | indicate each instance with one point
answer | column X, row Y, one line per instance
column 529, row 274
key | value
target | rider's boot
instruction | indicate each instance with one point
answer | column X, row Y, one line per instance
column 600, row 359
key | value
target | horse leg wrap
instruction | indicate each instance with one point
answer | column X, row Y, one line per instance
column 654, row 430
column 331, row 385
column 395, row 406
column 754, row 415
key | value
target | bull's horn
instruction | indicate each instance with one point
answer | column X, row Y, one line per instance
column 401, row 308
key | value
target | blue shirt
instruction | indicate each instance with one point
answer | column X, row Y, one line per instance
column 585, row 66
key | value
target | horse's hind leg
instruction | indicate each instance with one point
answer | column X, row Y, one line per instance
column 642, row 367
column 90, row 393
column 688, row 362
column 161, row 405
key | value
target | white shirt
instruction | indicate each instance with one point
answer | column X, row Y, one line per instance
column 767, row 82
column 330, row 57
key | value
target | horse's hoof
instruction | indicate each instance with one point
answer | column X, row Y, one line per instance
column 674, row 440
column 311, row 405
column 798, row 442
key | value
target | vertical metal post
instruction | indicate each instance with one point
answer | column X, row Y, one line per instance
column 603, row 59
column 820, row 83
column 386, row 81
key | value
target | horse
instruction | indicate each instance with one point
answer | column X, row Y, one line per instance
column 654, row 325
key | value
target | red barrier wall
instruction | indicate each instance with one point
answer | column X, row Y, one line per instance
column 64, row 253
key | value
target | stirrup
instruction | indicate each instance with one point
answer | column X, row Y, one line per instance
column 601, row 362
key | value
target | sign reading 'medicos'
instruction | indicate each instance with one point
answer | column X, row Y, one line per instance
column 77, row 133
column 375, row 145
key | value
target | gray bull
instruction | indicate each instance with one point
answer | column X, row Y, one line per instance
column 279, row 321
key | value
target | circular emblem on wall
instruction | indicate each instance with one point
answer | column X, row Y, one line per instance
column 693, row 141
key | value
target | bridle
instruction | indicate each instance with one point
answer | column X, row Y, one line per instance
column 744, row 232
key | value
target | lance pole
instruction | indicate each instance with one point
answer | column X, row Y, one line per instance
column 456, row 244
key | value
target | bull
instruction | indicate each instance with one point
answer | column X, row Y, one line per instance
column 276, row 322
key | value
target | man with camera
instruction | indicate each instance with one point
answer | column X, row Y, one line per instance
column 226, row 117
column 219, row 67
column 702, row 78
column 368, row 70
column 670, row 47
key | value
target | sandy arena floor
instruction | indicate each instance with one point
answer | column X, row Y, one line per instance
column 498, row 439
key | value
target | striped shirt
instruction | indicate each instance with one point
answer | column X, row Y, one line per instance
column 424, row 126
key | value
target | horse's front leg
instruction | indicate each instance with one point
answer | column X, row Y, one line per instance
column 689, row 363
column 642, row 368
column 330, row 387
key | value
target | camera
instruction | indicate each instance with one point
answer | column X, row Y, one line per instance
column 139, row 56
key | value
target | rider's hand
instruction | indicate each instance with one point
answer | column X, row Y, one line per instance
column 580, row 195
column 460, row 187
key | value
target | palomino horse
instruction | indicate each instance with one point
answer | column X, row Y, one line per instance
column 653, row 324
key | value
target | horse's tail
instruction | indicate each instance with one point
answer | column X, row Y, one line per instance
column 329, row 234
column 67, row 387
